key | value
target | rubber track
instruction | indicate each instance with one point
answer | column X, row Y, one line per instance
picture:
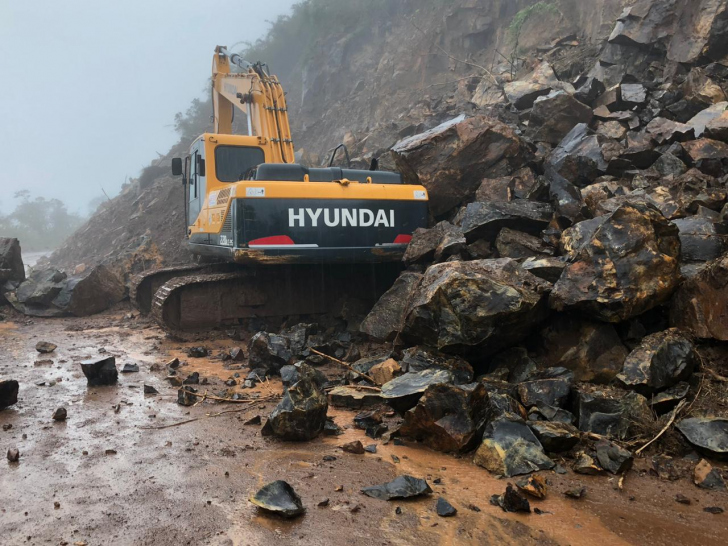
column 137, row 280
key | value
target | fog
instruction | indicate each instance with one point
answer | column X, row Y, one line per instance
column 89, row 89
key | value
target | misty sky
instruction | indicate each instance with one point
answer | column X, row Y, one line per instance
column 89, row 88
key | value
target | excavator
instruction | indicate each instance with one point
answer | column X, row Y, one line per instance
column 271, row 236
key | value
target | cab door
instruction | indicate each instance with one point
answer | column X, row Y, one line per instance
column 198, row 182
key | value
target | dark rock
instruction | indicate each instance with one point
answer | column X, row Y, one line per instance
column 186, row 396
column 517, row 363
column 555, row 114
column 699, row 239
column 444, row 509
column 386, row 318
column 669, row 165
column 700, row 121
column 716, row 129
column 354, row 447
column 192, row 379
column 707, row 477
column 555, row 437
column 633, row 94
column 434, row 244
column 100, row 372
column 550, row 387
column 402, row 487
column 699, row 304
column 367, row 419
column 39, row 290
column 661, row 361
column 610, row 412
column 589, row 90
column 289, row 375
column 485, row 220
column 515, row 244
column 11, row 261
column 253, row 421
column 510, row 303
column 467, row 150
column 667, row 131
column 270, row 352
column 353, row 398
column 237, row 354
column 709, row 156
column 419, row 359
column 371, row 448
column 578, row 157
column 331, row 428
column 511, row 501
column 666, row 400
column 682, row 499
column 60, row 414
column 502, row 405
column 523, row 92
column 300, row 415
column 130, row 367
column 708, row 435
column 403, row 392
column 197, row 352
column 628, row 266
column 13, row 455
column 92, row 293
column 534, row 486
column 613, row 458
column 447, row 418
column 585, row 464
column 278, row 497
column 509, row 448
column 549, row 269
column 713, row 510
column 45, row 347
column 544, row 412
column 148, row 389
column 575, row 493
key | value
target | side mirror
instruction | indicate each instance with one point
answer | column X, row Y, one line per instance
column 176, row 166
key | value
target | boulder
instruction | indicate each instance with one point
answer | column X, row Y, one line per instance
column 466, row 150
column 300, row 415
column 516, row 244
column 402, row 487
column 700, row 121
column 666, row 400
column 403, row 392
column 716, row 129
column 100, row 372
column 509, row 448
column 270, row 352
column 546, row 268
column 709, row 156
column 555, row 437
column 485, row 220
column 11, row 261
column 550, row 387
column 667, row 131
column 353, row 398
column 475, row 308
column 278, row 498
column 385, row 371
column 8, row 393
column 447, row 418
column 699, row 306
column 628, row 266
column 592, row 350
column 386, row 318
column 613, row 458
column 709, row 435
column 522, row 93
column 554, row 115
column 579, row 157
column 419, row 359
column 610, row 412
column 39, row 290
column 566, row 199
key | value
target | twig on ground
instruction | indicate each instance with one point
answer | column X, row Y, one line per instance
column 677, row 409
column 715, row 375
column 347, row 366
column 206, row 416
column 204, row 396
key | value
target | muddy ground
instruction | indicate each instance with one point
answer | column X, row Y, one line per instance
column 109, row 475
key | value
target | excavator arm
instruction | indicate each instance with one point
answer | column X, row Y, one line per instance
column 257, row 94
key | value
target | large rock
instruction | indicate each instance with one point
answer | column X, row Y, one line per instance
column 628, row 266
column 555, row 114
column 579, row 157
column 699, row 306
column 509, row 448
column 522, row 93
column 700, row 240
column 611, row 412
column 270, row 352
column 555, row 437
column 709, row 156
column 590, row 349
column 717, row 128
column 516, row 244
column 550, row 387
column 452, row 159
column 300, row 415
column 386, row 318
column 403, row 392
column 419, row 359
column 447, row 418
column 100, row 372
column 475, row 308
column 11, row 261
column 485, row 220
column 8, row 393
column 708, row 434
column 434, row 244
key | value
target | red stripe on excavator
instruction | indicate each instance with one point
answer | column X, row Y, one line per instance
column 402, row 239
column 269, row 241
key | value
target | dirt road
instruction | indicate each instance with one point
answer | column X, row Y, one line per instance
column 107, row 476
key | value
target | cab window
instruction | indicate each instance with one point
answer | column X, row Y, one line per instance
column 233, row 162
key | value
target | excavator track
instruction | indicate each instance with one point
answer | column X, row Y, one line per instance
column 201, row 301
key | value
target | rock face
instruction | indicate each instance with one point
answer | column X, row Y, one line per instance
column 447, row 417
column 475, row 308
column 300, row 415
column 628, row 266
column 590, row 349
column 402, row 487
column 661, row 361
column 11, row 261
column 462, row 150
column 100, row 372
column 8, row 393
column 708, row 435
column 555, row 114
column 386, row 318
column 278, row 497
column 509, row 448
column 700, row 304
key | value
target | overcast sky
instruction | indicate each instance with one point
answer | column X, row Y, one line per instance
column 89, row 88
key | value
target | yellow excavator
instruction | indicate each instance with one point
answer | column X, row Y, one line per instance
column 284, row 239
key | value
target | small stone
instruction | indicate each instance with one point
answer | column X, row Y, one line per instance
column 13, row 455
column 355, row 447
column 237, row 354
column 682, row 499
column 148, row 389
column 707, row 477
column 329, row 458
column 197, row 352
column 444, row 509
column 44, row 347
column 402, row 487
column 110, row 452
column 575, row 493
column 253, row 420
column 534, row 486
column 585, row 464
column 472, row 507
column 511, row 501
column 371, row 448
column 713, row 510
column 130, row 367
column 186, row 396
column 192, row 379
column 324, row 503
column 60, row 414
column 100, row 372
column 279, row 497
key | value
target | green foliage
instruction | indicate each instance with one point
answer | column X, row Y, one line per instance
column 40, row 224
column 537, row 9
column 195, row 121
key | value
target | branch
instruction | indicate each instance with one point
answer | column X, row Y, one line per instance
column 677, row 409
column 347, row 366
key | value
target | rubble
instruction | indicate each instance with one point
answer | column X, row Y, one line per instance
column 555, row 437
column 279, row 498
column 385, row 371
column 270, row 352
column 708, row 477
column 403, row 392
column 613, row 458
column 100, row 372
column 708, row 435
column 419, row 359
column 186, row 396
column 511, row 501
column 402, row 487
column 550, row 387
column 353, row 398
column 699, row 304
column 555, row 114
column 509, row 448
column 609, row 412
column 534, row 486
column 485, row 220
column 8, row 393
column 300, row 415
